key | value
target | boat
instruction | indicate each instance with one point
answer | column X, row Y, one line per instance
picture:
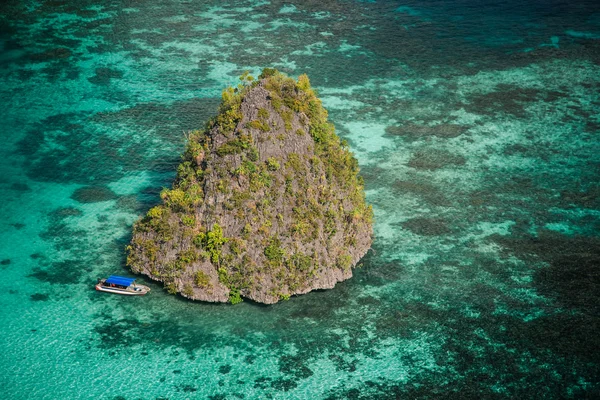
column 121, row 285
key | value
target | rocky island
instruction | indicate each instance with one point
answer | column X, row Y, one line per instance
column 267, row 202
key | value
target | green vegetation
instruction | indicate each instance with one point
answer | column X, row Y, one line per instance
column 260, row 125
column 201, row 279
column 274, row 252
column 294, row 163
column 230, row 113
column 263, row 114
column 231, row 281
column 171, row 288
column 272, row 164
column 287, row 116
column 189, row 220
column 188, row 256
column 188, row 290
column 344, row 262
column 253, row 154
column 234, row 296
column 212, row 242
column 235, row 146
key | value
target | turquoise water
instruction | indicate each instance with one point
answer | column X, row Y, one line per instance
column 476, row 127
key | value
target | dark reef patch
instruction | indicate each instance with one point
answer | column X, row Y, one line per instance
column 50, row 55
column 516, row 148
column 320, row 305
column 384, row 390
column 61, row 272
column 93, row 194
column 412, row 131
column 589, row 198
column 20, row 187
column 574, row 278
column 433, row 159
column 403, row 320
column 377, row 272
column 368, row 301
column 188, row 388
column 183, row 116
column 374, row 176
column 592, row 126
column 104, row 76
column 225, row 369
column 116, row 333
column 262, row 382
column 131, row 203
column 342, row 364
column 483, row 198
column 571, row 273
column 65, row 236
column 295, row 366
column 283, row 384
column 6, row 261
column 40, row 297
column 565, row 334
column 68, row 148
column 508, row 99
column 426, row 226
column 426, row 191
column 65, row 212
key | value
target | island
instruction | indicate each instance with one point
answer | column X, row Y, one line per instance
column 267, row 202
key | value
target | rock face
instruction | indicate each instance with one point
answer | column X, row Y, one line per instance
column 267, row 202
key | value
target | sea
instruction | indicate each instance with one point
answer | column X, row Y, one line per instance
column 476, row 126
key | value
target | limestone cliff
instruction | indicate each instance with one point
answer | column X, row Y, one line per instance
column 267, row 202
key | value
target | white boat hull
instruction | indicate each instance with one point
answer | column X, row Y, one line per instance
column 130, row 291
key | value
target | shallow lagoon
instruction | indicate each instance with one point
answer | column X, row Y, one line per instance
column 476, row 128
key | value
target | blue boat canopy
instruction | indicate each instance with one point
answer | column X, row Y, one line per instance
column 119, row 280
